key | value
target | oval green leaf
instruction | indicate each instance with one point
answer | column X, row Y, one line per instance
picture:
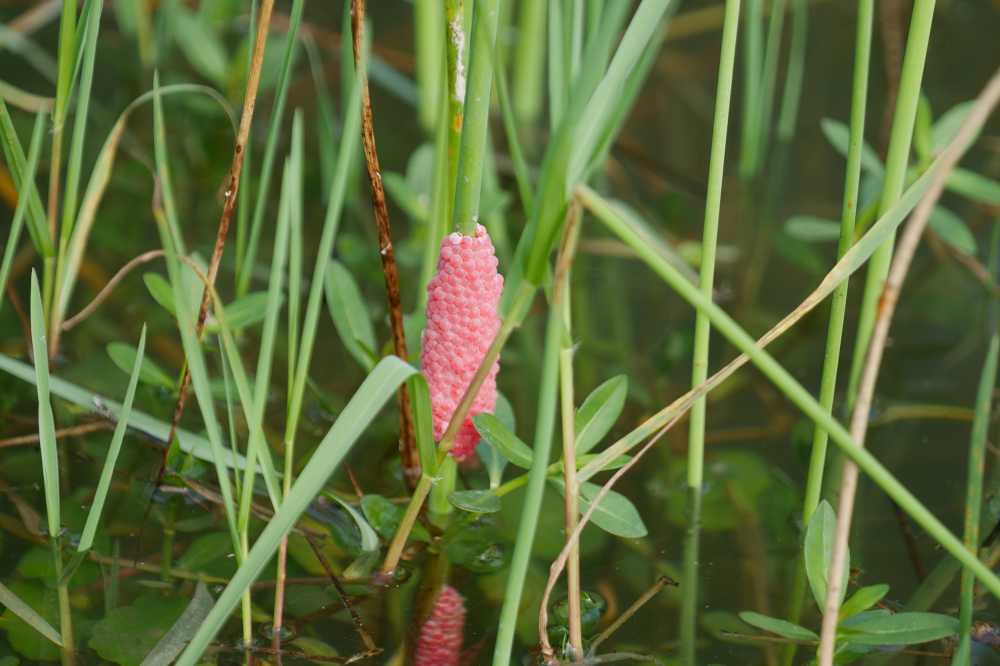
column 350, row 315
column 475, row 501
column 599, row 411
column 491, row 429
column 898, row 629
column 783, row 628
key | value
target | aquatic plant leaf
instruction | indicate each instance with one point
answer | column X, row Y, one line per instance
column 209, row 553
column 244, row 311
column 200, row 44
column 127, row 634
column 350, row 315
column 475, row 501
column 898, row 628
column 168, row 647
column 423, row 423
column 107, row 470
column 491, row 429
column 384, row 517
column 29, row 615
column 946, row 127
column 380, row 385
column 615, row 514
column 812, row 229
column 974, row 186
column 369, row 540
column 953, row 230
column 23, row 637
column 598, row 413
column 863, row 599
column 818, row 551
column 125, row 355
column 782, row 628
column 839, row 136
column 46, row 422
column 160, row 290
column 493, row 461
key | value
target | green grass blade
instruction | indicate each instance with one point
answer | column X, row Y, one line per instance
column 13, row 154
column 528, row 60
column 509, row 119
column 24, row 195
column 104, row 484
column 369, row 399
column 18, row 607
column 46, row 422
column 270, row 146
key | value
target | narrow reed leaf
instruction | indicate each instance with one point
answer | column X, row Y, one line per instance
column 173, row 642
column 350, row 315
column 374, row 392
column 18, row 607
column 155, row 428
column 599, row 411
column 13, row 154
column 46, row 423
column 24, row 196
column 273, row 135
column 104, row 484
column 423, row 423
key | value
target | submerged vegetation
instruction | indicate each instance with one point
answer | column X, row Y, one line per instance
column 339, row 334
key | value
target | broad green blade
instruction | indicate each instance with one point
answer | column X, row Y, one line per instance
column 46, row 422
column 28, row 614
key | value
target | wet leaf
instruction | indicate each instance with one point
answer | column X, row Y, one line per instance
column 27, row 614
column 782, row 628
column 384, row 517
column 475, row 546
column 170, row 646
column 953, row 230
column 615, row 514
column 127, row 634
column 475, row 501
column 818, row 551
column 599, row 411
column 592, row 607
column 491, row 429
column 123, row 355
column 863, row 599
column 350, row 314
column 899, row 628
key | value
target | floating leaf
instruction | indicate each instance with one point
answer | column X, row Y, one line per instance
column 863, row 599
column 615, row 514
column 476, row 501
column 491, row 429
column 898, row 628
column 170, row 646
column 812, row 229
column 782, row 628
column 819, row 552
column 839, row 136
column 953, row 230
column 123, row 355
column 127, row 634
column 599, row 411
column 350, row 315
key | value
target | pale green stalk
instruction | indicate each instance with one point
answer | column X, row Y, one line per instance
column 849, row 208
column 894, row 180
column 529, row 58
column 753, row 54
column 475, row 126
column 428, row 37
column 456, row 61
column 768, row 83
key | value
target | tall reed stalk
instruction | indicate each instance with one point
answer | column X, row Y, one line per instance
column 702, row 331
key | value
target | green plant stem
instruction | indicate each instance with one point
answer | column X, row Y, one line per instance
column 838, row 303
column 795, row 393
column 475, row 126
column 768, row 84
column 529, row 59
column 792, row 95
column 513, row 320
column 455, row 72
column 702, row 330
column 753, row 54
column 428, row 34
column 544, row 426
column 896, row 165
column 68, row 648
column 442, row 198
